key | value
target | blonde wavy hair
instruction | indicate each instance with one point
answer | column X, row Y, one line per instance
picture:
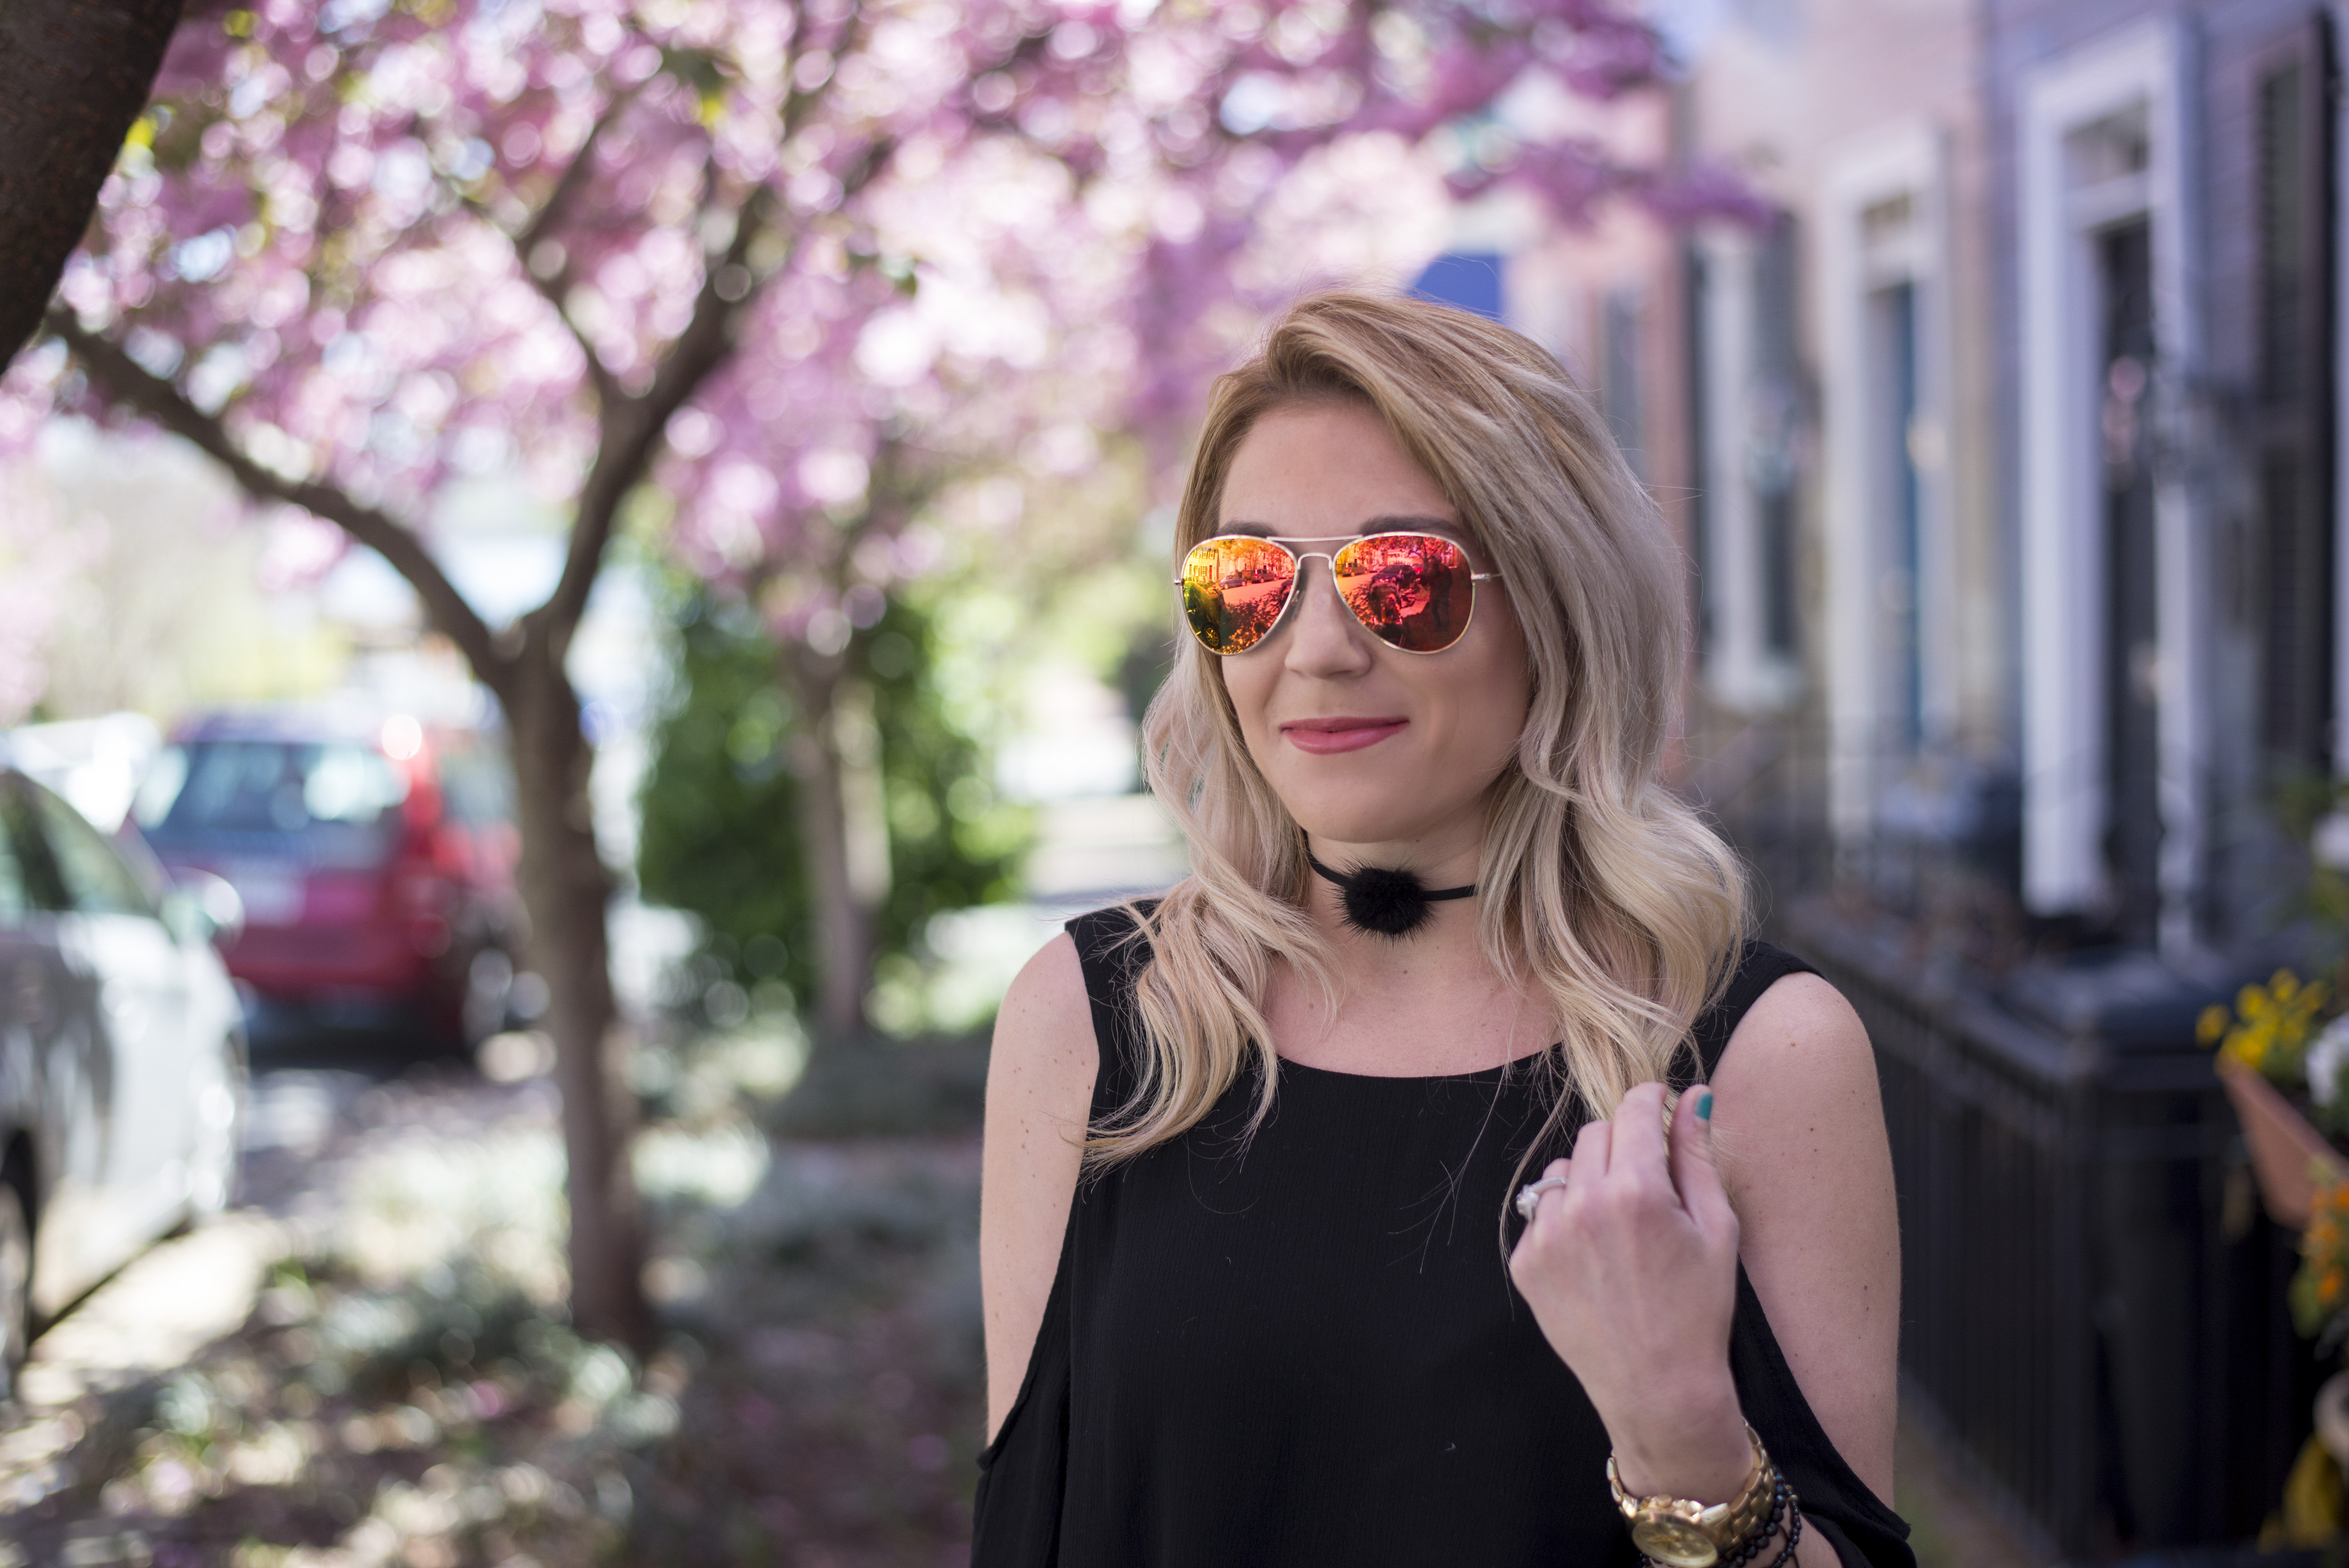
column 1596, row 883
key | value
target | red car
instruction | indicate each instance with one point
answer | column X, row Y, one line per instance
column 374, row 854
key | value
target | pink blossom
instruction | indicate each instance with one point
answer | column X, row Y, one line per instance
column 385, row 252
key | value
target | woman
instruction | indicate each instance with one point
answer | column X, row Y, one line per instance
column 1445, row 932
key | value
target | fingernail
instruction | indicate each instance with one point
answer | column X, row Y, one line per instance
column 1705, row 1106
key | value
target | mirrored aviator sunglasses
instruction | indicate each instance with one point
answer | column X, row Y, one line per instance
column 1411, row 590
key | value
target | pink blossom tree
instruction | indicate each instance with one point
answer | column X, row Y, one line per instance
column 39, row 557
column 780, row 268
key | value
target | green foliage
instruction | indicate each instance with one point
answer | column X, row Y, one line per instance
column 721, row 833
column 2303, row 799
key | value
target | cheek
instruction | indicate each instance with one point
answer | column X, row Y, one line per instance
column 1503, row 687
column 1499, row 717
column 1247, row 682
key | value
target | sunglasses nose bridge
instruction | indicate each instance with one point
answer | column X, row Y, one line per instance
column 1323, row 556
column 1328, row 560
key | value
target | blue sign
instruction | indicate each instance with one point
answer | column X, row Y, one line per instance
column 1470, row 280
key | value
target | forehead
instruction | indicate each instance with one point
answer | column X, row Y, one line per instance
column 1329, row 468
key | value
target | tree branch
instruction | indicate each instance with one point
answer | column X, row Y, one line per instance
column 571, row 181
column 541, row 227
column 554, row 291
column 633, row 427
column 128, row 385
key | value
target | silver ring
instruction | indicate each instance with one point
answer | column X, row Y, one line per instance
column 1529, row 1195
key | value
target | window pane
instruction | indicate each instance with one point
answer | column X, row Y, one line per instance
column 16, row 896
column 268, row 786
column 161, row 788
column 475, row 780
column 97, row 880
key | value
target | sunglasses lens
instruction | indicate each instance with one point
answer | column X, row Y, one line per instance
column 1233, row 590
column 1413, row 590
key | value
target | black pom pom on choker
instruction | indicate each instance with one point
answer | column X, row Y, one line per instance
column 1384, row 902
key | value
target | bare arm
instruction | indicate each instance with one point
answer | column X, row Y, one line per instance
column 1039, row 1086
column 1800, row 1125
column 1630, row 1262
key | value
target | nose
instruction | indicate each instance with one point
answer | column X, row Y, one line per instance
column 1325, row 640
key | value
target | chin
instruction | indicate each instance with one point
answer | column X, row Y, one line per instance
column 1392, row 819
column 1363, row 798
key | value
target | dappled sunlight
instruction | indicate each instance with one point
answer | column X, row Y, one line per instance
column 371, row 1367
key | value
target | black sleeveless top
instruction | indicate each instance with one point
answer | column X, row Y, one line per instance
column 1308, row 1351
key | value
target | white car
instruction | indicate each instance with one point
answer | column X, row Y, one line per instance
column 122, row 1058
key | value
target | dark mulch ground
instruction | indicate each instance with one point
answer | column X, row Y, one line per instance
column 404, row 1392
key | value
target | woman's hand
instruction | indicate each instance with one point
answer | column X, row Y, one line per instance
column 1631, row 1271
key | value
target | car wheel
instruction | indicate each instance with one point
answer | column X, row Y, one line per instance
column 219, row 1145
column 15, row 1281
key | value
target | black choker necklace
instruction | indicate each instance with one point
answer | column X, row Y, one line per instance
column 1384, row 902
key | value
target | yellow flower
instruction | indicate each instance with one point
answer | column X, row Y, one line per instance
column 2212, row 1027
column 2282, row 984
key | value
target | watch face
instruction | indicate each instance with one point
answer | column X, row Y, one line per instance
column 1674, row 1543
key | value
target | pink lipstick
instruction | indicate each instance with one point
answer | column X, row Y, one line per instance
column 1326, row 736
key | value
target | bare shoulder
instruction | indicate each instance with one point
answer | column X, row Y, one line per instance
column 1800, row 1127
column 1800, row 1039
column 1040, row 1085
column 1045, row 1027
column 1040, row 1077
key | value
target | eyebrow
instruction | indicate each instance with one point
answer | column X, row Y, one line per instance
column 1406, row 523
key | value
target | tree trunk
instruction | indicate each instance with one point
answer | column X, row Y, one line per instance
column 565, row 891
column 74, row 75
column 844, row 917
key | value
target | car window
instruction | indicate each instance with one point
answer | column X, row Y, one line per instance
column 268, row 786
column 16, row 890
column 97, row 880
column 37, row 872
column 160, row 787
column 475, row 782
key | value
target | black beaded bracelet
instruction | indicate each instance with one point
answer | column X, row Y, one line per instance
column 1786, row 1559
column 1779, row 1498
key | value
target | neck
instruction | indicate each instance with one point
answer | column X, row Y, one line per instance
column 1436, row 862
column 1387, row 902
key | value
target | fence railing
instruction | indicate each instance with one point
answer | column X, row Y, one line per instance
column 2092, row 1306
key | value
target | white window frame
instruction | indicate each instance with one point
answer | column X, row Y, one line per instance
column 2064, row 811
column 1903, row 160
column 1742, row 673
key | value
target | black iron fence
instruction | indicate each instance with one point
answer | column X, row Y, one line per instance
column 2093, row 1301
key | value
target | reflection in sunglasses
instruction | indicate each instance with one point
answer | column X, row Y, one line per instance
column 1412, row 590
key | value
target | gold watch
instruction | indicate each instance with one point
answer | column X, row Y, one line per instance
column 1682, row 1534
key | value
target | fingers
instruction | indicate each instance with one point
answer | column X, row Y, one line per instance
column 1637, row 1149
column 1592, row 1152
column 1658, row 1143
column 1556, row 1171
column 1697, row 1168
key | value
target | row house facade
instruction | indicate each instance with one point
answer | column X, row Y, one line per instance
column 2003, row 454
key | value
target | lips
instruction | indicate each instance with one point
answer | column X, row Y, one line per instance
column 1325, row 737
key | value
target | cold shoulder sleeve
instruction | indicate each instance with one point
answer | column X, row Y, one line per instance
column 1016, row 1512
column 1836, row 1504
